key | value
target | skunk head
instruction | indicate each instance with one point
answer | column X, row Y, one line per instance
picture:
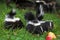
column 29, row 16
column 12, row 12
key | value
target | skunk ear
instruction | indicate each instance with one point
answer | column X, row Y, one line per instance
column 29, row 16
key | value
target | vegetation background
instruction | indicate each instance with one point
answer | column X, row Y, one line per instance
column 22, row 34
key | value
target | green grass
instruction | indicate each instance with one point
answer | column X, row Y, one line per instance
column 22, row 34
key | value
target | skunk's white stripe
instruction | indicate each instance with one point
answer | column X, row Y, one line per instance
column 36, row 24
column 12, row 20
column 42, row 21
column 41, row 28
column 41, row 11
column 50, row 24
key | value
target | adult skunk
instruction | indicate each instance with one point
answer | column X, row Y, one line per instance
column 11, row 21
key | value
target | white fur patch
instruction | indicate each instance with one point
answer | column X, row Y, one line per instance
column 41, row 11
column 41, row 28
column 50, row 24
column 42, row 21
column 36, row 24
column 12, row 20
column 37, row 1
column 13, row 10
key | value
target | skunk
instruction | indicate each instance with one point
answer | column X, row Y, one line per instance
column 39, row 10
column 38, row 27
column 33, row 25
column 11, row 21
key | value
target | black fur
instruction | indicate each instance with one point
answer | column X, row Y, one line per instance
column 46, row 26
column 24, row 3
column 13, row 25
column 29, row 16
column 34, row 29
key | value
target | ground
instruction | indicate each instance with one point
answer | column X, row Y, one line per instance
column 22, row 34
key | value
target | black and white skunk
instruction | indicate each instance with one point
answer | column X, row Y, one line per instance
column 39, row 10
column 11, row 21
column 37, row 27
column 33, row 25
